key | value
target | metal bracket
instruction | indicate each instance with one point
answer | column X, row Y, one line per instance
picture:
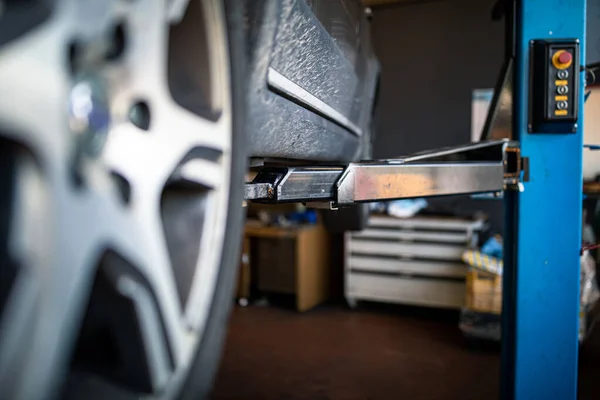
column 482, row 167
column 525, row 166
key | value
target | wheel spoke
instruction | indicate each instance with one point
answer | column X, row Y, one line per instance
column 156, row 268
column 177, row 10
column 34, row 114
column 170, row 121
column 61, row 281
column 155, row 344
column 51, row 277
column 201, row 172
column 139, row 158
column 177, row 123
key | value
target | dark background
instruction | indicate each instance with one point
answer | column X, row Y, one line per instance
column 593, row 31
column 432, row 55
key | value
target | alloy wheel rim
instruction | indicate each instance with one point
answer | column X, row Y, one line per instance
column 129, row 198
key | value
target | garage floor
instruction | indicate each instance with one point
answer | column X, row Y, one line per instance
column 370, row 353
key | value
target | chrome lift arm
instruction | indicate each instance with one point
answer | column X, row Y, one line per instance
column 483, row 167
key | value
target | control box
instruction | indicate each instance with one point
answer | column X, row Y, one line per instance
column 554, row 86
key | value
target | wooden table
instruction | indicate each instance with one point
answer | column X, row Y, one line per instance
column 290, row 260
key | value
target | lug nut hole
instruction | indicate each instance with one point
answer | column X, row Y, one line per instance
column 139, row 115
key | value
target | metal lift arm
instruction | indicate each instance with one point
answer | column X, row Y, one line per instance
column 475, row 168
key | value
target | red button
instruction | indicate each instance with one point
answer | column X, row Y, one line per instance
column 565, row 57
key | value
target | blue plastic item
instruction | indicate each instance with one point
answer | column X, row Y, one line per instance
column 304, row 217
column 493, row 247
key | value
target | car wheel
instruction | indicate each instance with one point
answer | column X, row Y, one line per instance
column 121, row 190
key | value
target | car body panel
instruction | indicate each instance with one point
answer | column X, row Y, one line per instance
column 313, row 78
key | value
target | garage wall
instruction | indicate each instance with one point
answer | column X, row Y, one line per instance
column 591, row 127
column 433, row 54
column 593, row 31
column 591, row 135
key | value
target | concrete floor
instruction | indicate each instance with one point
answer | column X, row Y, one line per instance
column 370, row 353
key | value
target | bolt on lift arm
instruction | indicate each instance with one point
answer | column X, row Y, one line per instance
column 483, row 167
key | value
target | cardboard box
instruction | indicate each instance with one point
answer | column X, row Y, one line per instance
column 484, row 292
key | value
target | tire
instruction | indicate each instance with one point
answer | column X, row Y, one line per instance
column 207, row 361
column 122, row 223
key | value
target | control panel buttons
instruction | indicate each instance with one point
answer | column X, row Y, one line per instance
column 554, row 78
column 562, row 89
column 562, row 59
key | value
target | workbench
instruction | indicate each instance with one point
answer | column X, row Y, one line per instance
column 287, row 260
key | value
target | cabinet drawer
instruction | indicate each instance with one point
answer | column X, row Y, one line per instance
column 407, row 267
column 406, row 290
column 406, row 249
column 428, row 223
column 460, row 238
column 275, row 260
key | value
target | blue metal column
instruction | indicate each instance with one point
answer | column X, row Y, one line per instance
column 542, row 256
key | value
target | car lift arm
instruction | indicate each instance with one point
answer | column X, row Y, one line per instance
column 482, row 167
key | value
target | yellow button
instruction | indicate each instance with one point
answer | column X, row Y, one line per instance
column 562, row 59
column 561, row 98
column 560, row 112
column 561, row 83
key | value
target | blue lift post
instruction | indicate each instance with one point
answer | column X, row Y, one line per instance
column 541, row 296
